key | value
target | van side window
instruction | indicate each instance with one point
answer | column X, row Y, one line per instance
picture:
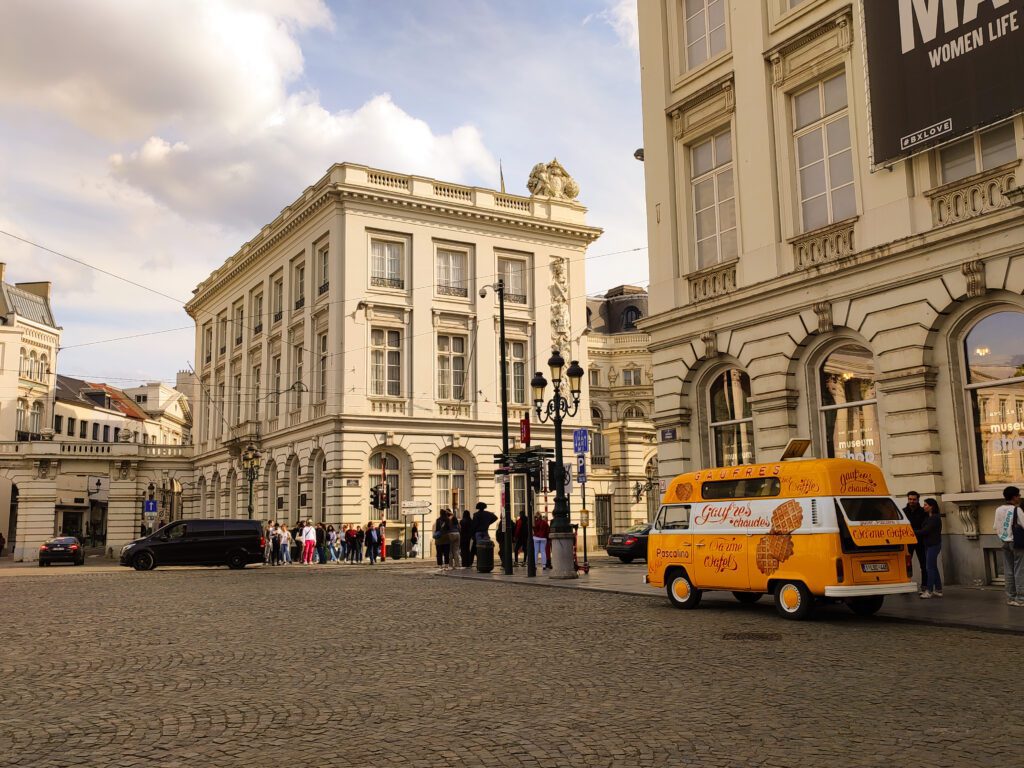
column 741, row 488
column 674, row 517
column 206, row 529
column 177, row 531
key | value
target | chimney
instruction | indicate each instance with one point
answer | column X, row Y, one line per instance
column 42, row 290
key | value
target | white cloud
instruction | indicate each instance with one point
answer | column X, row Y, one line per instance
column 621, row 16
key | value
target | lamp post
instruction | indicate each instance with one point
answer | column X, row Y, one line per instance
column 641, row 489
column 251, row 465
column 506, row 497
column 556, row 410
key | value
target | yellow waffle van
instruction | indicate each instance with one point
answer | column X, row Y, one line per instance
column 797, row 530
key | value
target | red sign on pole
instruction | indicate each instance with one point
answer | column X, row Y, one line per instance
column 524, row 430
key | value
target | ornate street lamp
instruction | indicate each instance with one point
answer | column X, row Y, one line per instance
column 251, row 465
column 558, row 408
column 506, row 560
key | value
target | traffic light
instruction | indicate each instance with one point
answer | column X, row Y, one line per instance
column 374, row 497
column 385, row 496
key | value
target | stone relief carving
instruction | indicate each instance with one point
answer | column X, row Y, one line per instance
column 823, row 309
column 552, row 180
column 560, row 322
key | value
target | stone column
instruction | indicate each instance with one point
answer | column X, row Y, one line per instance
column 36, row 515
column 124, row 511
column 910, row 443
column 774, row 421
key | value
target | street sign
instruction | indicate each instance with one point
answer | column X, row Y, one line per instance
column 584, row 518
column 668, row 435
column 580, row 441
column 149, row 506
column 524, row 431
column 581, row 469
column 567, row 479
column 416, row 504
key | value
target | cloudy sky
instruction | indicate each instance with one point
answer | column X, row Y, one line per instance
column 151, row 138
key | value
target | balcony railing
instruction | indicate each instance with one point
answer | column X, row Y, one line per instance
column 318, row 410
column 277, row 316
column 209, row 357
column 515, row 298
column 223, row 348
column 257, row 329
column 238, row 340
column 323, row 289
column 300, row 302
column 453, row 290
column 387, row 282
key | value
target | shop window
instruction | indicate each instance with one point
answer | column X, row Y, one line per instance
column 848, row 405
column 995, row 389
column 731, row 421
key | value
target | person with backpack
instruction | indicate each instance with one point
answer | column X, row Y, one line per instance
column 1009, row 527
column 441, row 546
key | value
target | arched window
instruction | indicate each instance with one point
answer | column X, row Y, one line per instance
column 995, row 389
column 632, row 412
column 849, row 410
column 22, row 415
column 630, row 316
column 35, row 418
column 451, row 481
column 384, row 469
column 44, row 367
column 23, row 364
column 33, row 366
column 599, row 448
column 731, row 422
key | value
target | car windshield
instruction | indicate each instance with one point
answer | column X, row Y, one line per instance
column 638, row 529
column 64, row 540
column 865, row 509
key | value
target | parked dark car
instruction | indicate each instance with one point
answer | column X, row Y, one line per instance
column 62, row 549
column 630, row 545
column 234, row 543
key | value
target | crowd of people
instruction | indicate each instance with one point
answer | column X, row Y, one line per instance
column 456, row 538
column 321, row 543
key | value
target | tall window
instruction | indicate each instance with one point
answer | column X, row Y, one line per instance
column 257, row 391
column 515, row 378
column 598, row 447
column 33, row 366
column 704, row 30
column 323, row 488
column 451, row 367
column 518, row 496
column 451, row 272
column 35, row 418
column 632, row 315
column 849, row 409
column 386, row 257
column 384, row 469
column 222, row 333
column 95, row 431
column 513, row 272
column 714, row 201
column 257, row 313
column 731, row 422
column 278, row 298
column 237, row 397
column 823, row 154
column 595, row 378
column 631, row 377
column 995, row 388
column 71, row 426
column 324, row 269
column 239, row 324
column 23, row 364
column 83, row 429
column 275, row 372
column 385, row 362
column 299, row 285
column 22, row 415
column 297, row 356
column 208, row 343
column 451, row 481
column 321, row 367
column 980, row 152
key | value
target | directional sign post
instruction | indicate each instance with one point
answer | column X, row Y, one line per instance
column 580, row 441
column 416, row 504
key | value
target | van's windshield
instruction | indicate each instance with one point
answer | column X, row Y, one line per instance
column 864, row 509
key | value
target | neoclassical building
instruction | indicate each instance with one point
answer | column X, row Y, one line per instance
column 620, row 378
column 350, row 343
column 795, row 291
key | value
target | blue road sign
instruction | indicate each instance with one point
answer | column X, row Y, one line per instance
column 580, row 441
column 581, row 469
column 149, row 506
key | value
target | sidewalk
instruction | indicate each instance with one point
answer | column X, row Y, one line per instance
column 982, row 608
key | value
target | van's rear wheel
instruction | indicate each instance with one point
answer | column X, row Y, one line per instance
column 793, row 600
column 748, row 598
column 681, row 592
column 866, row 606
column 236, row 561
column 144, row 561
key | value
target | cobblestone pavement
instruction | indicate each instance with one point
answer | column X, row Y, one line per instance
column 400, row 667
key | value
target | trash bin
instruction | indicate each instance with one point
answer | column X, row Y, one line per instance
column 484, row 556
column 395, row 550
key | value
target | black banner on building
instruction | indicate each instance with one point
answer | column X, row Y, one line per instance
column 938, row 69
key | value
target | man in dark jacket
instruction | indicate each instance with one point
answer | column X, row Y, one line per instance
column 916, row 515
column 482, row 521
column 321, row 543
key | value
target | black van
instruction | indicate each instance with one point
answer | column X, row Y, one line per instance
column 234, row 543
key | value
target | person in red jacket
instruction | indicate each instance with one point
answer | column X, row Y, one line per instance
column 540, row 540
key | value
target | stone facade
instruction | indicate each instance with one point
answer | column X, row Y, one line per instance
column 620, row 379
column 796, row 291
column 351, row 333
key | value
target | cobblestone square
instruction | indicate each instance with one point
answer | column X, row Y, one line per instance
column 400, row 667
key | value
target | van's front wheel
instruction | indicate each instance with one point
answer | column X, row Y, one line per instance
column 866, row 606
column 793, row 600
column 681, row 592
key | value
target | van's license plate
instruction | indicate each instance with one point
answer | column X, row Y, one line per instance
column 875, row 567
